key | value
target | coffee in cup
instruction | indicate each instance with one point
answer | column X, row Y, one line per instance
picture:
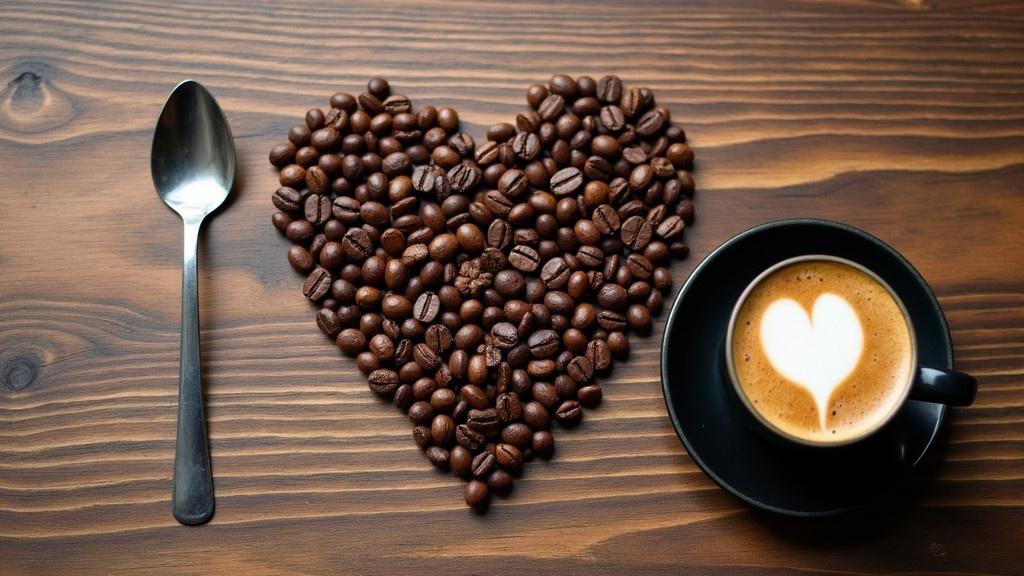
column 821, row 350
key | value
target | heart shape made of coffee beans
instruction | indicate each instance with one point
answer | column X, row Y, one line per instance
column 485, row 287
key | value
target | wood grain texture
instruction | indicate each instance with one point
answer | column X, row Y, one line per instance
column 903, row 118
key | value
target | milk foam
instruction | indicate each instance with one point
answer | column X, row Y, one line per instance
column 818, row 351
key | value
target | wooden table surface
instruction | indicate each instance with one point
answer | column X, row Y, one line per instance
column 905, row 119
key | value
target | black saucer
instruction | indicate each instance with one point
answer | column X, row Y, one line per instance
column 711, row 423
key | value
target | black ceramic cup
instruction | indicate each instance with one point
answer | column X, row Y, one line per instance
column 924, row 383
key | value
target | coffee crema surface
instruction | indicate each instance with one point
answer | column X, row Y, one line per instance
column 822, row 351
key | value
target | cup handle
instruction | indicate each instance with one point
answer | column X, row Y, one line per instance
column 944, row 387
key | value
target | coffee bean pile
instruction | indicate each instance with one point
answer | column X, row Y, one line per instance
column 484, row 287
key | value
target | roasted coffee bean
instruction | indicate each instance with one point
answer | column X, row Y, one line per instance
column 492, row 354
column 395, row 104
column 651, row 122
column 460, row 460
column 543, row 444
column 477, row 372
column 662, row 279
column 517, row 434
column 618, row 344
column 566, row 181
column 282, row 221
column 500, row 132
column 639, row 318
column 580, row 369
column 404, row 356
column 612, row 297
column 463, row 177
column 328, row 322
column 508, row 457
column 403, row 395
column 383, row 381
column 551, row 107
column 382, row 346
column 317, row 209
column 442, row 430
column 300, row 258
column 467, row 437
column 569, row 412
column 563, row 85
column 680, row 155
column 545, row 393
column 536, row 416
column 426, row 307
column 639, row 291
column 476, row 494
column 483, row 464
column 421, row 413
column 636, row 232
column 512, row 183
column 504, row 335
column 293, row 176
column 612, row 118
column 395, row 306
column 468, row 337
column 640, row 267
column 499, row 234
column 543, row 343
column 598, row 168
column 421, row 435
column 634, row 155
column 611, row 320
column 606, row 219
column 590, row 396
column 605, row 146
column 425, row 356
column 415, row 254
column 357, row 244
column 508, row 407
column 609, row 89
column 499, row 482
column 443, row 400
column 483, row 421
column 555, row 273
column 288, row 200
column 535, row 94
column 438, row 456
column 487, row 153
column 497, row 203
column 351, row 341
column 395, row 164
column 524, row 258
column 463, row 144
column 641, row 177
column 448, row 119
column 671, row 228
column 317, row 284
column 307, row 156
column 526, row 145
column 509, row 283
column 474, row 396
column 282, row 154
column 587, row 233
column 299, row 135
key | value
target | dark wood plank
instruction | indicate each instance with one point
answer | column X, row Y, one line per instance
column 903, row 118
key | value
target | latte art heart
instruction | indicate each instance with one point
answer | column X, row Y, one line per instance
column 818, row 351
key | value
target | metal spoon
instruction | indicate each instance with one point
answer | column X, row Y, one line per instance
column 193, row 167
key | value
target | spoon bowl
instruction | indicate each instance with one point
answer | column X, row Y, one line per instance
column 193, row 154
column 193, row 168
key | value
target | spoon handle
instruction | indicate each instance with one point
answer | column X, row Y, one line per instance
column 192, row 496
